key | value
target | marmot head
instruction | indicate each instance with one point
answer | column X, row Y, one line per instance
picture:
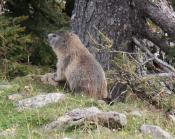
column 64, row 42
column 56, row 39
column 58, row 42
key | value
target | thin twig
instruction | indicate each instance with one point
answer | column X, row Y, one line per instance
column 148, row 60
column 159, row 75
column 114, row 51
column 114, row 100
column 95, row 42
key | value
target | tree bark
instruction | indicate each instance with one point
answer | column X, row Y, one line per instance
column 161, row 12
column 1, row 7
column 111, row 17
column 120, row 21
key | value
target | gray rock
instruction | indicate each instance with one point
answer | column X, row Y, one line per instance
column 155, row 131
column 40, row 101
column 15, row 97
column 93, row 114
column 62, row 123
column 136, row 113
column 112, row 119
column 84, row 112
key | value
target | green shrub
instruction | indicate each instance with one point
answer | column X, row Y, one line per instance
column 23, row 33
column 13, row 39
column 24, row 29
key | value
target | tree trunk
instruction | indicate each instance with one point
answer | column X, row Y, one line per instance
column 114, row 18
column 1, row 7
column 120, row 21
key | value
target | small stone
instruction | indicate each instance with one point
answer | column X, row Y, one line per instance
column 2, row 87
column 172, row 117
column 15, row 97
column 136, row 113
column 8, row 132
column 102, row 102
column 172, row 44
column 155, row 131
column 167, row 91
column 40, row 101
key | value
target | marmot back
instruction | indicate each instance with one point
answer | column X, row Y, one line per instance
column 77, row 65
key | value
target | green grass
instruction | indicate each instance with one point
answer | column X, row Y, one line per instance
column 28, row 124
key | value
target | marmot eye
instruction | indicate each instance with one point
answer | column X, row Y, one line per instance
column 53, row 35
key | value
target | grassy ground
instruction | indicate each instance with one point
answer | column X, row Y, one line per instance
column 28, row 123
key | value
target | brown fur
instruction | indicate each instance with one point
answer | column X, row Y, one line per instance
column 77, row 66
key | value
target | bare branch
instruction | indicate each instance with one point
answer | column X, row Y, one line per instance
column 164, row 65
column 114, row 51
column 157, row 39
column 148, row 60
column 160, row 75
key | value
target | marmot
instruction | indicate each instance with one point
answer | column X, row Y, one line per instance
column 77, row 66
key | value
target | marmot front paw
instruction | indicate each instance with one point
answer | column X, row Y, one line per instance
column 48, row 78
